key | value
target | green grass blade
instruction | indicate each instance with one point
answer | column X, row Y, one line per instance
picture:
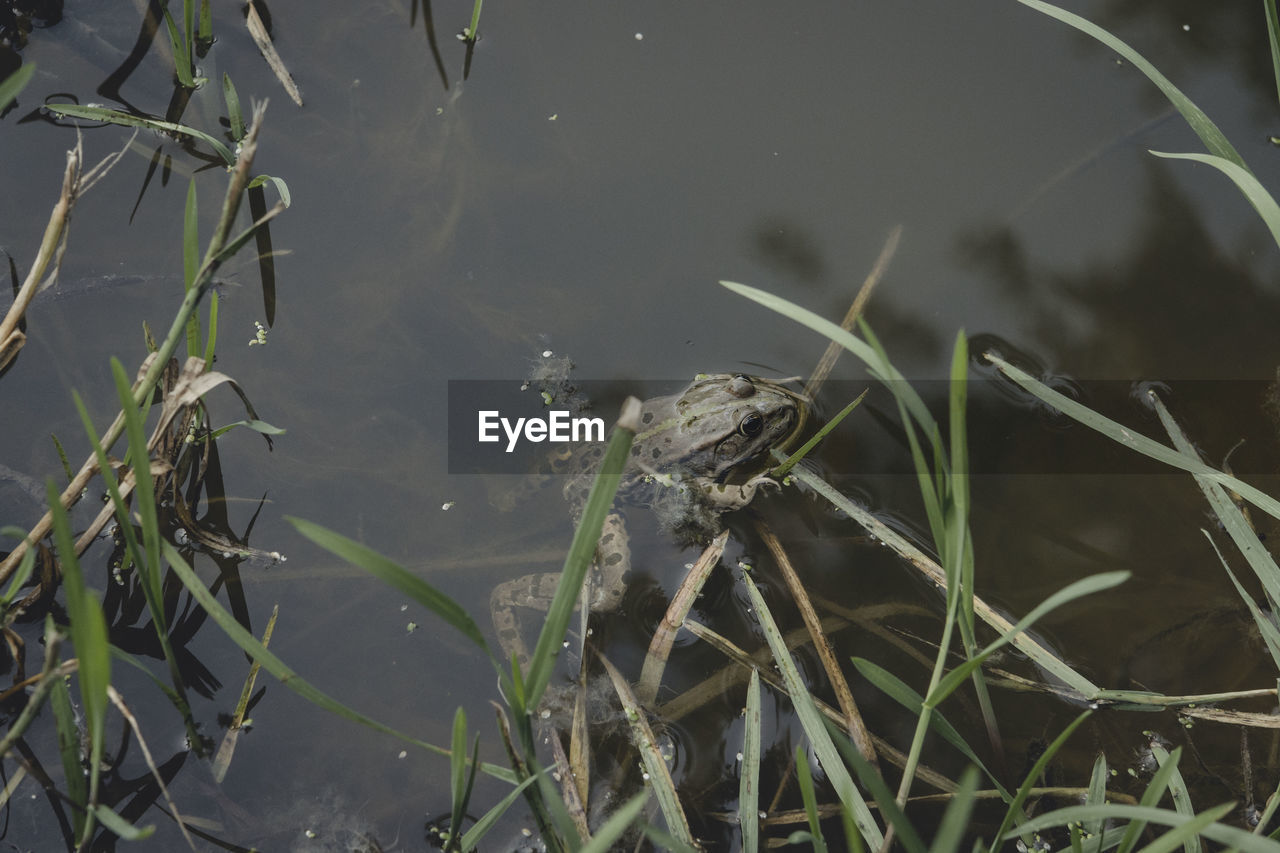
column 1203, row 824
column 1253, row 190
column 900, row 692
column 460, row 785
column 1273, row 37
column 191, row 263
column 181, row 52
column 457, row 777
column 394, row 575
column 120, row 826
column 616, row 826
column 581, row 553
column 234, row 114
column 1187, row 836
column 955, row 820
column 879, row 366
column 1085, row 586
column 257, row 426
column 1096, row 794
column 143, row 489
column 15, row 83
column 127, row 120
column 1179, row 792
column 64, row 720
column 783, row 469
column 1208, row 132
column 481, row 827
column 150, row 576
column 1270, row 633
column 25, row 566
column 811, row 720
column 1134, row 440
column 890, row 537
column 1015, row 811
column 880, row 793
column 89, row 635
column 805, row 779
column 211, row 344
column 189, row 27
column 1232, row 519
column 749, row 781
column 473, row 29
column 281, row 187
column 205, row 33
column 1155, row 790
column 286, row 676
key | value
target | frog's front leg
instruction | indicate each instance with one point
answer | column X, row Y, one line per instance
column 535, row 592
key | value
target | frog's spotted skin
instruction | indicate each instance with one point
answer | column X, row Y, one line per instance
column 701, row 453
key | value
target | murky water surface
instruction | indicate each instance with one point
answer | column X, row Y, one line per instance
column 581, row 187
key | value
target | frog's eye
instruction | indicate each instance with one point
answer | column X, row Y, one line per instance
column 751, row 425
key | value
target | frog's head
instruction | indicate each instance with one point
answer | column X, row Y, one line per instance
column 721, row 428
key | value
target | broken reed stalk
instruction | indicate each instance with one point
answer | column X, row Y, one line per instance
column 144, row 387
column 828, row 360
column 11, row 337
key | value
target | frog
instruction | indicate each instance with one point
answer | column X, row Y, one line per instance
column 699, row 453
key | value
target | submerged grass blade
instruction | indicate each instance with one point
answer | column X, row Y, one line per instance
column 15, row 83
column 274, row 665
column 395, row 575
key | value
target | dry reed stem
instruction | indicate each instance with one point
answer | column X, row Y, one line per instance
column 11, row 337
column 154, row 365
column 844, row 696
column 664, row 636
column 828, row 360
column 119, row 702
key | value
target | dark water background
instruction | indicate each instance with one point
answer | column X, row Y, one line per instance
column 585, row 187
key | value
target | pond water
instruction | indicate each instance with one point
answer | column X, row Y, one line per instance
column 579, row 183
